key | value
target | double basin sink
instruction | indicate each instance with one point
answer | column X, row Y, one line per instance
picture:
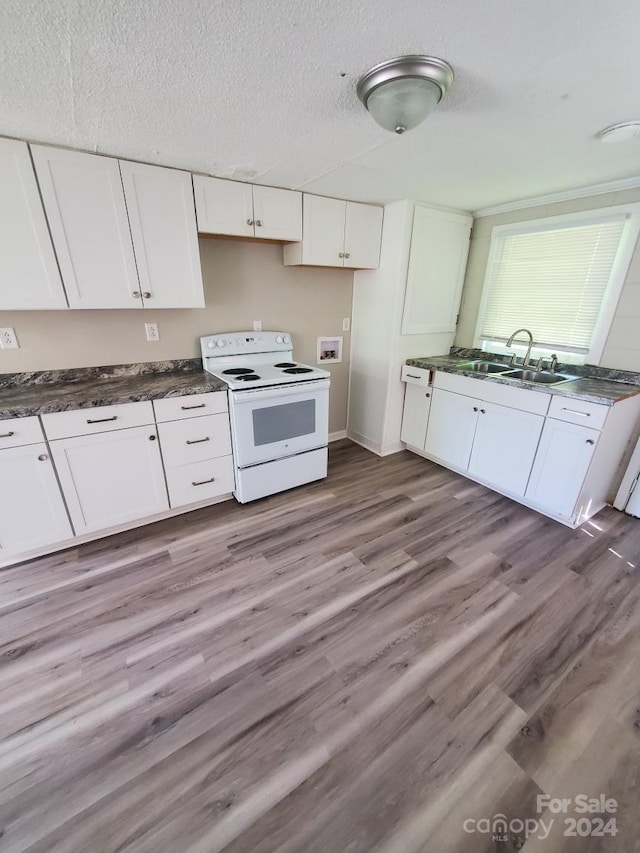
column 540, row 377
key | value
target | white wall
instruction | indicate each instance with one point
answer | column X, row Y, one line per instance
column 622, row 350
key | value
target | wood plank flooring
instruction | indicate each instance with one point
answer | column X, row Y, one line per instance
column 363, row 664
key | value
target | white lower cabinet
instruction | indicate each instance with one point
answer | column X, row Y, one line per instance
column 111, row 478
column 32, row 512
column 452, row 425
column 415, row 416
column 561, row 465
column 504, row 446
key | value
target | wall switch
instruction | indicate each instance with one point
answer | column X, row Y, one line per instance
column 257, row 325
column 8, row 338
column 152, row 331
column 346, row 324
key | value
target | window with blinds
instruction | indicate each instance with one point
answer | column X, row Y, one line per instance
column 551, row 280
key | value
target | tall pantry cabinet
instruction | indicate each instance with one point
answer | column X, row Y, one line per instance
column 406, row 308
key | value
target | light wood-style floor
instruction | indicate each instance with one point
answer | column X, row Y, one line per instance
column 359, row 665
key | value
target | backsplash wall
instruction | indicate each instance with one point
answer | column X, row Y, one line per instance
column 243, row 282
column 622, row 349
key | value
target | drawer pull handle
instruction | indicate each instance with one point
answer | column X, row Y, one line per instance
column 197, row 440
column 202, row 482
column 413, row 376
column 43, row 457
column 101, row 420
column 7, row 434
column 590, row 441
column 197, row 406
column 575, row 412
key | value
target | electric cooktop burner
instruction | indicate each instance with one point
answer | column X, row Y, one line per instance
column 237, row 371
column 286, row 364
column 250, row 378
column 298, row 370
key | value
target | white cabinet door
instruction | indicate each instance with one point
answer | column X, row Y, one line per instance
column 323, row 226
column 415, row 415
column 277, row 213
column 437, row 263
column 29, row 275
column 223, row 207
column 111, row 478
column 504, row 447
column 165, row 235
column 32, row 512
column 84, row 202
column 561, row 465
column 452, row 424
column 362, row 236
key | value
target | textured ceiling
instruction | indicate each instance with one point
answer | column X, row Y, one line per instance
column 265, row 90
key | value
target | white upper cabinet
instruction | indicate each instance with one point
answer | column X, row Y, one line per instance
column 277, row 213
column 165, row 236
column 223, row 207
column 243, row 210
column 437, row 263
column 29, row 276
column 337, row 233
column 362, row 236
column 85, row 206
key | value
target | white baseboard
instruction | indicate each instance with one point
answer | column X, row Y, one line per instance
column 336, row 436
column 375, row 446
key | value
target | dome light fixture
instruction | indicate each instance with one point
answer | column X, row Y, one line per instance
column 400, row 93
column 621, row 132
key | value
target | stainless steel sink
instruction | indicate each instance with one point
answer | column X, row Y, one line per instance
column 483, row 366
column 543, row 377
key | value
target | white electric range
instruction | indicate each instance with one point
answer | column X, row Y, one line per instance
column 278, row 408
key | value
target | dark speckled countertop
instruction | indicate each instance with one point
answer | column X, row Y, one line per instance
column 595, row 388
column 25, row 394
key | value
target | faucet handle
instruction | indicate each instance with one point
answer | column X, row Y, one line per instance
column 554, row 362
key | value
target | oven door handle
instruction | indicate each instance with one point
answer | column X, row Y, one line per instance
column 296, row 389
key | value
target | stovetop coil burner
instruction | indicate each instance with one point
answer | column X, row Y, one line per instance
column 252, row 377
column 286, row 364
column 237, row 371
column 298, row 370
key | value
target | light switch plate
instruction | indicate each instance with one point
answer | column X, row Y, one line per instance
column 8, row 338
column 346, row 324
column 257, row 325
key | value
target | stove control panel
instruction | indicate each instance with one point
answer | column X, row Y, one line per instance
column 244, row 343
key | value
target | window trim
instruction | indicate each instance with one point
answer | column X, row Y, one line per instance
column 617, row 278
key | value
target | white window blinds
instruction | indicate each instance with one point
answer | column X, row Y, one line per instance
column 552, row 281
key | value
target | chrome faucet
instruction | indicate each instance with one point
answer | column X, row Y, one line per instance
column 528, row 355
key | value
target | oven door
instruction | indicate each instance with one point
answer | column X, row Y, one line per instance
column 271, row 423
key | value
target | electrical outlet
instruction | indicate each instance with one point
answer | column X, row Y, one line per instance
column 152, row 331
column 346, row 324
column 8, row 338
column 257, row 325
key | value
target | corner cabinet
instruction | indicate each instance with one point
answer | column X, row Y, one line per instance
column 29, row 275
column 130, row 246
column 437, row 264
column 244, row 210
column 337, row 233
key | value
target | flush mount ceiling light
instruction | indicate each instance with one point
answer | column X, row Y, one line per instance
column 620, row 132
column 400, row 93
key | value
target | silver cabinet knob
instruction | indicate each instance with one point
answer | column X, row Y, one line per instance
column 249, row 221
column 347, row 255
column 427, row 394
column 146, row 294
column 259, row 223
column 475, row 408
column 43, row 457
column 482, row 412
column 136, row 294
column 341, row 254
column 152, row 438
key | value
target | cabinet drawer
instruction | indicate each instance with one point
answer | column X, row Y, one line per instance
column 592, row 415
column 175, row 408
column 535, row 402
column 98, row 419
column 194, row 439
column 200, row 481
column 14, row 432
column 415, row 375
